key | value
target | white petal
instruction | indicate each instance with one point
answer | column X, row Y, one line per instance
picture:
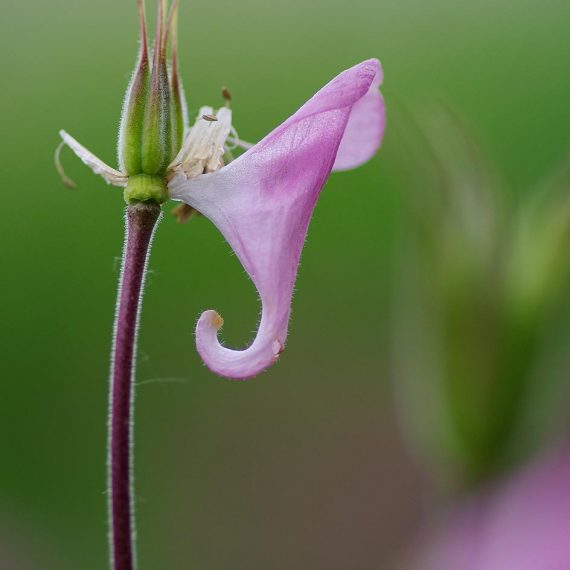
column 203, row 148
column 110, row 175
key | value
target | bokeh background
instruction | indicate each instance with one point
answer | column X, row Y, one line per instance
column 307, row 466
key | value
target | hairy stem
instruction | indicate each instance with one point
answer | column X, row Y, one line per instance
column 141, row 221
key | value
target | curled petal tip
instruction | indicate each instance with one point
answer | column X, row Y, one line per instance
column 212, row 319
column 235, row 364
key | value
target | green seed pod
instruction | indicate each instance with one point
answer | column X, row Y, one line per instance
column 148, row 138
column 131, row 129
column 153, row 119
column 157, row 151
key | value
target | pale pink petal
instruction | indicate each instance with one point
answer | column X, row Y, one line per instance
column 110, row 175
column 262, row 203
column 365, row 129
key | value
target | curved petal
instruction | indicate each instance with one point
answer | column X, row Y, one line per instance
column 262, row 203
column 109, row 175
column 364, row 131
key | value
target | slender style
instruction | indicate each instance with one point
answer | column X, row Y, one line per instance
column 141, row 220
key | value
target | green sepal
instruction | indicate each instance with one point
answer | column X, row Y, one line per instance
column 157, row 130
column 131, row 133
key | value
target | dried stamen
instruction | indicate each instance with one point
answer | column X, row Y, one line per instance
column 183, row 212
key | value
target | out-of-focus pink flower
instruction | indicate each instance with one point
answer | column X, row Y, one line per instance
column 523, row 524
column 262, row 203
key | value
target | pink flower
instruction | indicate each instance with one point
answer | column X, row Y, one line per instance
column 262, row 203
column 523, row 524
column 263, row 200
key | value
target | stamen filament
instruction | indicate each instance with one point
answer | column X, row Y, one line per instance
column 235, row 142
column 59, row 167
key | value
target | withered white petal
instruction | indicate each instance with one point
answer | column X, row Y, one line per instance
column 110, row 175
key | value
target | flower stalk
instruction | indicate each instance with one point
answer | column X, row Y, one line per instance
column 141, row 221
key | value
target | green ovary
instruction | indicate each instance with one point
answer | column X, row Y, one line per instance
column 146, row 188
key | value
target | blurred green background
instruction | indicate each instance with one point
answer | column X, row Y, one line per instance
column 304, row 466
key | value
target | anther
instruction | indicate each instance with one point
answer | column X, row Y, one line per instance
column 210, row 118
column 226, row 94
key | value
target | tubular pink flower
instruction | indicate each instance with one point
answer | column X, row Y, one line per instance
column 262, row 203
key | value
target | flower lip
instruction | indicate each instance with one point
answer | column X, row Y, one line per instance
column 262, row 203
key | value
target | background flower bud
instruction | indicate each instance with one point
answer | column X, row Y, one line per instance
column 478, row 319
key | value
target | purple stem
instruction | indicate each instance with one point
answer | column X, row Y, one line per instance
column 141, row 219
